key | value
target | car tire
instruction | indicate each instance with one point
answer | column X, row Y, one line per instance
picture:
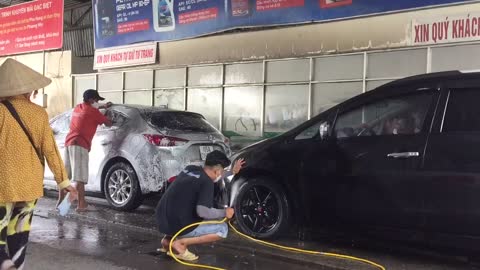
column 262, row 209
column 121, row 187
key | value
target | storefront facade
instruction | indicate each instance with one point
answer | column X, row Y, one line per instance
column 257, row 84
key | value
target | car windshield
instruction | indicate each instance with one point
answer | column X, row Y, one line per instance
column 180, row 121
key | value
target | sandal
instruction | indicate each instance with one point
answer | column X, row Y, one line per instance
column 185, row 256
column 164, row 249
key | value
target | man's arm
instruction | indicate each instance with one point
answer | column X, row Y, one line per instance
column 204, row 204
column 210, row 213
column 102, row 119
column 236, row 167
column 105, row 106
column 108, row 123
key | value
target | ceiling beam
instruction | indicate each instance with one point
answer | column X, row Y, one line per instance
column 79, row 4
column 72, row 5
column 2, row 5
column 5, row 5
column 80, row 19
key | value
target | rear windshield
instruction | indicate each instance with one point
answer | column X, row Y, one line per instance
column 180, row 121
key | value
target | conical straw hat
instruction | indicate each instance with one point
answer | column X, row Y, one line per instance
column 17, row 79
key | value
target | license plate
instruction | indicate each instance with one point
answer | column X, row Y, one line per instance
column 204, row 150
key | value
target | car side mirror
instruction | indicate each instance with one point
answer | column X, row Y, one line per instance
column 324, row 130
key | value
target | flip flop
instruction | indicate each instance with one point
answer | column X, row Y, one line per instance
column 162, row 248
column 186, row 256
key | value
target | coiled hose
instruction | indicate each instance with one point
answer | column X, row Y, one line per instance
column 312, row 252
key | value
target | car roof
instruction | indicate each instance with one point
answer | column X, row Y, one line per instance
column 143, row 109
column 448, row 78
column 433, row 77
column 434, row 80
column 128, row 107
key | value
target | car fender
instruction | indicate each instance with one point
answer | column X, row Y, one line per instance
column 126, row 153
column 291, row 189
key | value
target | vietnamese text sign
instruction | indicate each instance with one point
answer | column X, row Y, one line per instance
column 446, row 29
column 122, row 22
column 138, row 54
column 33, row 26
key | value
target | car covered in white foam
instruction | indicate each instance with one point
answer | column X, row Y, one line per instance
column 145, row 147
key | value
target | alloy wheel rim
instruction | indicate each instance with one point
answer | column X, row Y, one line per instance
column 260, row 209
column 120, row 186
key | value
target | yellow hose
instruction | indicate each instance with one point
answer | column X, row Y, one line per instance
column 340, row 256
column 188, row 227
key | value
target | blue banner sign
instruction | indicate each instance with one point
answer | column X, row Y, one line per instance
column 123, row 22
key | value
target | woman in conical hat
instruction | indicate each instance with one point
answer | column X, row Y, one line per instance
column 22, row 158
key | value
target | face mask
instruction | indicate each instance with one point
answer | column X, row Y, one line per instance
column 218, row 178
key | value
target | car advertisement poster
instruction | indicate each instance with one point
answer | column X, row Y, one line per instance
column 123, row 22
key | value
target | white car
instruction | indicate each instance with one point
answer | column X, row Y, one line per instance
column 144, row 148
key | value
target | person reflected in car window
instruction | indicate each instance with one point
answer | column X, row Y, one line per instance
column 389, row 127
column 345, row 132
column 400, row 124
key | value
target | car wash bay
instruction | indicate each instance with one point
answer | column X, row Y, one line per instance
column 252, row 100
column 107, row 239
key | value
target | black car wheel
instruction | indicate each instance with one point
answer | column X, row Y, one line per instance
column 121, row 187
column 261, row 209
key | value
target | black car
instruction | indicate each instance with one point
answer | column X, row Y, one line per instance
column 402, row 158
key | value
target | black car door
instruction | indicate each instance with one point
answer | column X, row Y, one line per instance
column 452, row 165
column 315, row 167
column 382, row 140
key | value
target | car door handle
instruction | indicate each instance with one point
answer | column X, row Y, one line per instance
column 105, row 142
column 403, row 155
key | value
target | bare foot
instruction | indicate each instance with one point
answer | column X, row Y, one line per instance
column 166, row 243
column 179, row 247
column 83, row 208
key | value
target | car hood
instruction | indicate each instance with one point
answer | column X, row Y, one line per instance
column 257, row 147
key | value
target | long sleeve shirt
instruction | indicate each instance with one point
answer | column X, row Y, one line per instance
column 21, row 173
column 210, row 213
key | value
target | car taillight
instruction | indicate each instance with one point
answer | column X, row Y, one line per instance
column 161, row 140
column 171, row 179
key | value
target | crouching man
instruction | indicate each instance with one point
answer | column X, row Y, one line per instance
column 190, row 199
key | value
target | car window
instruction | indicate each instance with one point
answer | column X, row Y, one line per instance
column 401, row 115
column 117, row 118
column 310, row 132
column 61, row 124
column 463, row 111
column 181, row 121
